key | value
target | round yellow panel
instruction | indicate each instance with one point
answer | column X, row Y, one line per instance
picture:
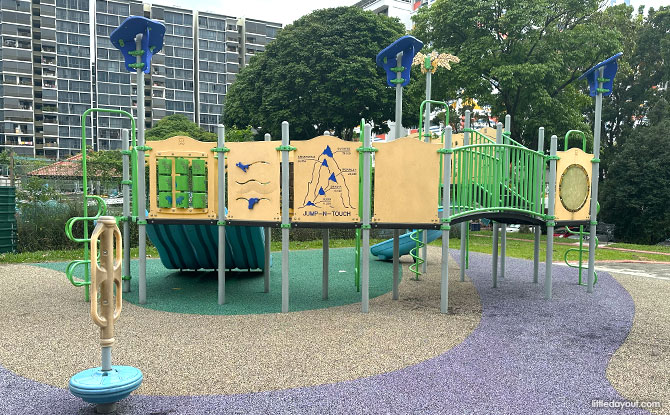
column 574, row 188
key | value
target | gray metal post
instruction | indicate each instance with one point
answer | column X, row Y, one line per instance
column 285, row 225
column 594, row 183
column 396, row 262
column 496, row 226
column 503, row 238
column 426, row 138
column 446, row 201
column 365, row 225
column 398, row 100
column 494, row 269
column 538, row 202
column 106, row 366
column 125, row 189
column 142, row 197
column 106, row 358
column 324, row 273
column 221, row 143
column 268, row 239
column 550, row 221
column 464, row 225
column 396, row 232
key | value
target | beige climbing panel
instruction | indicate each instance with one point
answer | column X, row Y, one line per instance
column 176, row 195
column 253, row 170
column 325, row 180
column 406, row 182
column 573, row 185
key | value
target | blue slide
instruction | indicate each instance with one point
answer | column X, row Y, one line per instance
column 384, row 250
column 196, row 246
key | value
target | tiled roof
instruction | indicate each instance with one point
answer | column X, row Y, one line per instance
column 68, row 168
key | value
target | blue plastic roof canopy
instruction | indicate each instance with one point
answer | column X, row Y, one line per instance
column 592, row 74
column 123, row 38
column 409, row 46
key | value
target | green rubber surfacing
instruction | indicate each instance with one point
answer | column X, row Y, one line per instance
column 196, row 292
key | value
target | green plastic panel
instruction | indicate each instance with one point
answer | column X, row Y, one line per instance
column 199, row 184
column 199, row 200
column 164, row 183
column 181, row 165
column 165, row 199
column 198, row 167
column 181, row 183
column 165, row 166
column 182, row 200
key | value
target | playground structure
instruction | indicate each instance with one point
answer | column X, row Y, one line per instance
column 194, row 226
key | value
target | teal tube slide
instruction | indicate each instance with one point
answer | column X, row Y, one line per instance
column 384, row 250
column 194, row 247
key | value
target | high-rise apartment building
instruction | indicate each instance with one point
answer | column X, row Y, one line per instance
column 17, row 99
column 73, row 71
column 217, row 64
column 114, row 86
column 56, row 63
column 225, row 45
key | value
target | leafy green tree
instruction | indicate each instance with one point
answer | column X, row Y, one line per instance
column 234, row 134
column 104, row 166
column 178, row 124
column 636, row 191
column 319, row 74
column 522, row 56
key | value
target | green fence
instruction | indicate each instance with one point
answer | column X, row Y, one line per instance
column 7, row 219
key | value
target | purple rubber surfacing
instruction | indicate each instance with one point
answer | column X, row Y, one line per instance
column 527, row 356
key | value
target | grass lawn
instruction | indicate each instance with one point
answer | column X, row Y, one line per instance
column 519, row 245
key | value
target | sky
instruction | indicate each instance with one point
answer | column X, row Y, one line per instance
column 286, row 11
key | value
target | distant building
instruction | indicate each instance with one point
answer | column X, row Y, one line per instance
column 55, row 63
column 402, row 9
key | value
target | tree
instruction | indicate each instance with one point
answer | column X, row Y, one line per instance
column 178, row 124
column 319, row 74
column 522, row 56
column 104, row 166
column 636, row 193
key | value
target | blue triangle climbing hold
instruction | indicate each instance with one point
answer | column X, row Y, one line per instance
column 310, row 204
column 332, row 178
column 253, row 201
column 322, row 192
column 328, row 152
column 324, row 162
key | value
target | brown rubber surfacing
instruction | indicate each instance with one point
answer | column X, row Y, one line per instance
column 48, row 336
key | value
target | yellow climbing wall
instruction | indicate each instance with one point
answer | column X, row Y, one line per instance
column 253, row 170
column 406, row 182
column 325, row 180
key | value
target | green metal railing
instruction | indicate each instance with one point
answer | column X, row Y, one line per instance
column 478, row 138
column 497, row 178
column 102, row 208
